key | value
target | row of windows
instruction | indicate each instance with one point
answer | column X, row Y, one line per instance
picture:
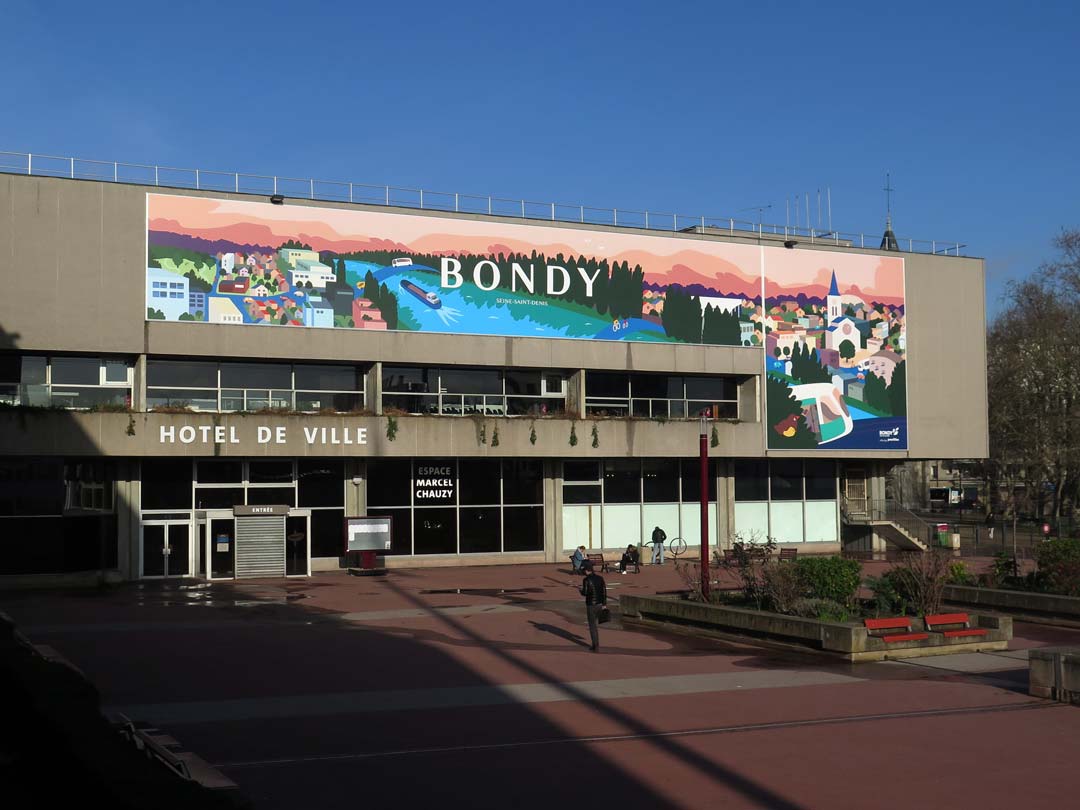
column 660, row 395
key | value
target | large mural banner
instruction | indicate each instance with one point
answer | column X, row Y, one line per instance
column 225, row 261
column 835, row 350
column 831, row 325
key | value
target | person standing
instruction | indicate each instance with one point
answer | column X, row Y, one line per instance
column 658, row 538
column 594, row 589
column 990, row 524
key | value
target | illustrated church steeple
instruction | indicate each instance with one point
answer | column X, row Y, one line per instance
column 833, row 301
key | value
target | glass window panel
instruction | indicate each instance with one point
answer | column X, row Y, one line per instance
column 33, row 371
column 166, row 483
column 10, row 368
column 660, row 481
column 270, row 472
column 478, row 482
column 436, row 530
column 321, row 482
column 256, row 375
column 751, row 480
column 581, row 471
column 523, row 528
column 411, row 403
column 328, row 378
column 640, row 407
column 265, row 496
column 604, row 384
column 581, row 493
column 711, row 388
column 524, row 382
column 648, row 386
column 523, row 481
column 820, row 480
column 31, row 487
column 622, row 482
column 76, row 370
column 196, row 399
column 388, row 482
column 221, row 471
column 400, row 529
column 409, row 379
column 181, row 374
column 480, row 529
column 785, row 480
column 116, row 371
column 327, row 532
column 232, row 400
column 691, row 481
column 217, row 497
column 313, row 401
column 471, row 380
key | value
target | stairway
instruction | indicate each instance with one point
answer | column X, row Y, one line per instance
column 898, row 526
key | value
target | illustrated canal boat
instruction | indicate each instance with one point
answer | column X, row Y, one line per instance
column 429, row 298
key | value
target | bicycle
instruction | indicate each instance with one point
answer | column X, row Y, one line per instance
column 675, row 547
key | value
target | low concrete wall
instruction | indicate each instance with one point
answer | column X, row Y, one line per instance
column 1054, row 673
column 1018, row 601
column 847, row 639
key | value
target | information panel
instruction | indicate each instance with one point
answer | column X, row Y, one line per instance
column 367, row 534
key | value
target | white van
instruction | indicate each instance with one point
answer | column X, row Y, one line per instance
column 405, row 261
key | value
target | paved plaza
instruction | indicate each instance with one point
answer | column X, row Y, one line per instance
column 475, row 687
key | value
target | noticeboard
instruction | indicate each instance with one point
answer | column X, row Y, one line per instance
column 367, row 534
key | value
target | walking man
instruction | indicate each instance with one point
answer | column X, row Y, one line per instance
column 658, row 538
column 990, row 524
column 594, row 590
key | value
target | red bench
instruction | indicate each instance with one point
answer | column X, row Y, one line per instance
column 902, row 626
column 946, row 619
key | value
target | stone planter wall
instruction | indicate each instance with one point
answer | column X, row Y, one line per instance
column 1015, row 601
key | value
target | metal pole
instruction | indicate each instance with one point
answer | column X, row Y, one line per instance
column 311, row 187
column 350, row 192
column 196, row 178
column 421, row 198
column 73, row 168
column 703, row 453
column 30, row 164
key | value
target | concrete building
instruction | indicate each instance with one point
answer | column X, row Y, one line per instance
column 244, row 436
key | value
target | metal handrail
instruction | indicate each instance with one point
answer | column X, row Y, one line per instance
column 868, row 511
column 400, row 197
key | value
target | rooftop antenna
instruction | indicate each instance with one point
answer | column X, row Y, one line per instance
column 760, row 209
column 828, row 196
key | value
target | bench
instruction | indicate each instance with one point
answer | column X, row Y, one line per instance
column 945, row 619
column 902, row 626
column 788, row 554
column 597, row 561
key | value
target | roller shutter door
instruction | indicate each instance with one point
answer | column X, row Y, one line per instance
column 260, row 546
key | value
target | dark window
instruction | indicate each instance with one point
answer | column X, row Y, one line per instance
column 181, row 374
column 523, row 528
column 470, row 381
column 652, row 386
column 33, row 371
column 622, row 482
column 409, row 380
column 523, row 382
column 478, row 482
column 31, row 487
column 270, row 472
column 388, row 482
column 166, row 483
column 785, row 480
column 327, row 532
column 265, row 496
column 581, row 471
column 523, row 481
column 217, row 497
column 691, row 480
column 10, row 369
column 709, row 388
column 602, row 384
column 54, row 545
column 321, row 482
column 256, row 375
column 820, row 480
column 76, row 370
column 479, row 529
column 435, row 530
column 661, row 481
column 751, row 480
column 581, row 493
column 328, row 378
column 400, row 528
column 223, row 471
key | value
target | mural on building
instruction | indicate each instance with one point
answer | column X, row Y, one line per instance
column 228, row 261
column 835, row 350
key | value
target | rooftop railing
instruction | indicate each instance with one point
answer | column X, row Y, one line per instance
column 398, row 197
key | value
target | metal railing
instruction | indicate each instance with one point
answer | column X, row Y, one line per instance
column 399, row 197
column 888, row 511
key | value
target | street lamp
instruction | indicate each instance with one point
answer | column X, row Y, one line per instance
column 703, row 453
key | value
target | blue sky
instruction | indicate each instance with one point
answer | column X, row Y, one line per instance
column 701, row 108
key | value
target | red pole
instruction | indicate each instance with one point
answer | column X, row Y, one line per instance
column 703, row 452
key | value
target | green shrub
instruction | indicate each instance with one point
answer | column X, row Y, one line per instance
column 959, row 575
column 1059, row 565
column 824, row 610
column 888, row 595
column 831, row 578
column 782, row 586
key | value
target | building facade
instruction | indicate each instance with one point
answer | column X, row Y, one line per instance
column 504, row 391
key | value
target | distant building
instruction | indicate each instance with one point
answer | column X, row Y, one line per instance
column 166, row 292
column 196, row 302
column 235, row 286
column 223, row 310
column 227, row 261
column 313, row 272
column 318, row 312
column 292, row 255
column 366, row 315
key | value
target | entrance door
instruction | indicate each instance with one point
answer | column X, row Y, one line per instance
column 221, row 544
column 298, row 543
column 855, row 489
column 166, row 549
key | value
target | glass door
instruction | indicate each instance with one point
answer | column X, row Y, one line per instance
column 221, row 541
column 298, row 543
column 166, row 549
column 153, row 549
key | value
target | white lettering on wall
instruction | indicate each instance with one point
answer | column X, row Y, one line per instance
column 450, row 267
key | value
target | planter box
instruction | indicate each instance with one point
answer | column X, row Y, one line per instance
column 1047, row 604
column 848, row 640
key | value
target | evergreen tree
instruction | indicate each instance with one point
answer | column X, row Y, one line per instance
column 898, row 390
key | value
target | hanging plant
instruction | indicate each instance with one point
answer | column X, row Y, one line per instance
column 131, row 426
column 391, row 428
column 595, row 437
column 715, row 438
column 483, row 433
column 532, row 434
column 495, row 437
column 573, row 436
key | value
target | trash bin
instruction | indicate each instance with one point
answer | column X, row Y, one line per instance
column 943, row 535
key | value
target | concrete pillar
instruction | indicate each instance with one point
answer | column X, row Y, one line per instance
column 373, row 389
column 749, row 394
column 575, row 393
column 138, row 390
column 128, row 496
column 725, row 502
column 553, row 528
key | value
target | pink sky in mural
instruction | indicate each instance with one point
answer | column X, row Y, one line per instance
column 872, row 278
column 729, row 268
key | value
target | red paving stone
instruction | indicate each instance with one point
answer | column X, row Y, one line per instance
column 798, row 746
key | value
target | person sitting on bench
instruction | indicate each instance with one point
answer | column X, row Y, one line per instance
column 629, row 557
column 577, row 558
